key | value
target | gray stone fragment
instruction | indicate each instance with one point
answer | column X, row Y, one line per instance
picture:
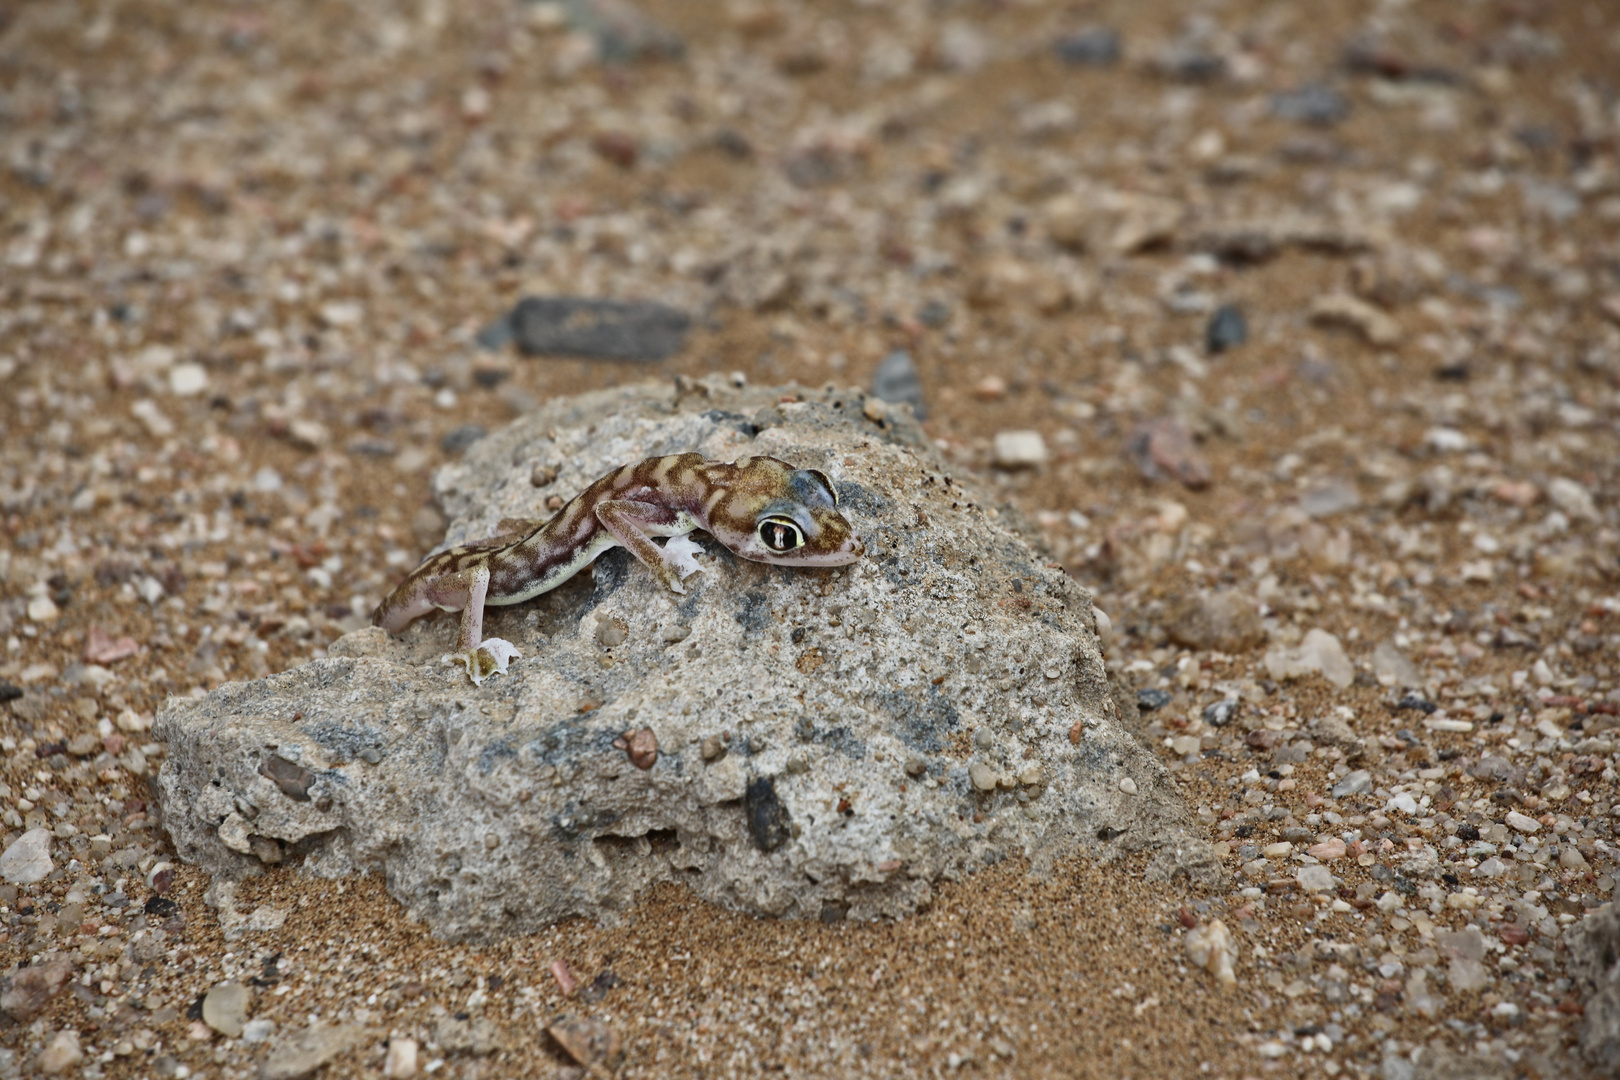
column 27, row 992
column 598, row 329
column 1095, row 46
column 1311, row 103
column 896, row 382
column 225, row 1008
column 1328, row 498
column 1224, row 621
column 1393, row 667
column 303, row 1053
column 28, row 859
column 1355, row 783
column 867, row 675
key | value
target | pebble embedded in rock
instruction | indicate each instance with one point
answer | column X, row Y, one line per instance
column 28, row 859
column 225, row 1008
column 1128, row 786
column 1105, row 627
column 611, row 631
column 982, row 776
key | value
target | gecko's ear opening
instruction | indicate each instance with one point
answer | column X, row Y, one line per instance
column 823, row 481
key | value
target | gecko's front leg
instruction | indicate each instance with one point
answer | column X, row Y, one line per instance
column 466, row 590
column 628, row 520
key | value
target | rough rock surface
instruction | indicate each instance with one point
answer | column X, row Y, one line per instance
column 828, row 742
column 1594, row 950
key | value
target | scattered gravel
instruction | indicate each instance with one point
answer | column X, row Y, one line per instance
column 248, row 253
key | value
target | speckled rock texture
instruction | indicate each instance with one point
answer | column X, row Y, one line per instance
column 1594, row 949
column 830, row 743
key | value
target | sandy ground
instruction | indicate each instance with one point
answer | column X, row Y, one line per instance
column 246, row 256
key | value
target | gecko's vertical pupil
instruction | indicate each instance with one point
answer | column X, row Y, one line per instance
column 779, row 535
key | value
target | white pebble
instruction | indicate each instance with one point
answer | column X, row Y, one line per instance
column 1314, row 879
column 187, row 379
column 1019, row 449
column 42, row 609
column 1211, row 947
column 1522, row 822
column 401, row 1059
column 28, row 859
column 1128, row 786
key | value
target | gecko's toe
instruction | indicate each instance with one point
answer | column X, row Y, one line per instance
column 490, row 658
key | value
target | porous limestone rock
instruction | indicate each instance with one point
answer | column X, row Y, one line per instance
column 787, row 742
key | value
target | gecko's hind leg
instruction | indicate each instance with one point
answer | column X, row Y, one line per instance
column 466, row 590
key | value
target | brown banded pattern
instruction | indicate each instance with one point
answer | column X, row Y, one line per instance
column 737, row 503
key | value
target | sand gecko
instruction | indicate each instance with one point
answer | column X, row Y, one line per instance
column 759, row 508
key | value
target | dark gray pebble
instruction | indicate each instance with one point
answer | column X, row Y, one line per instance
column 1311, row 103
column 1096, row 46
column 1227, row 329
column 896, row 382
column 458, row 439
column 641, row 331
column 1148, row 700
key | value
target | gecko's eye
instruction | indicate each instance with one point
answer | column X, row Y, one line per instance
column 780, row 534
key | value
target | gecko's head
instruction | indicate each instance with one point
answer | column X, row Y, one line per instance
column 786, row 517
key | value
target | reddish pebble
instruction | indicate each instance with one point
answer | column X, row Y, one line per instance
column 564, row 977
column 1513, row 934
column 641, row 745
